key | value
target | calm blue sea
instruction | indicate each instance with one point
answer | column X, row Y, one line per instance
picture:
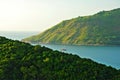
column 109, row 55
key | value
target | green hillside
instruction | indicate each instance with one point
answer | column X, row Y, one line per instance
column 102, row 28
column 22, row 61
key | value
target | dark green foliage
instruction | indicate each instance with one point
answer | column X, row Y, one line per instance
column 102, row 28
column 21, row 61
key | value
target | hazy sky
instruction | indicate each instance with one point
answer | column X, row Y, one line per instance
column 38, row 15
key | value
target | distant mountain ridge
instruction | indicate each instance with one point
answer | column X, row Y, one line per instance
column 102, row 28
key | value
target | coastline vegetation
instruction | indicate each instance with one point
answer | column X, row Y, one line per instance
column 22, row 61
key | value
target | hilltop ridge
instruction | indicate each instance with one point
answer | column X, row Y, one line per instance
column 102, row 28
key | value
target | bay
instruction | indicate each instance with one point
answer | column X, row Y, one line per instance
column 109, row 55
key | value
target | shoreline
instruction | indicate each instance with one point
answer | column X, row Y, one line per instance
column 72, row 44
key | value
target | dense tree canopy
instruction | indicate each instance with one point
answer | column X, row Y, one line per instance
column 22, row 61
column 102, row 28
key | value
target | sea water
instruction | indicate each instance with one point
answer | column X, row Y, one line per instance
column 109, row 55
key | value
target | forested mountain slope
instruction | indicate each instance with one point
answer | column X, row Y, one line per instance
column 102, row 28
column 22, row 61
